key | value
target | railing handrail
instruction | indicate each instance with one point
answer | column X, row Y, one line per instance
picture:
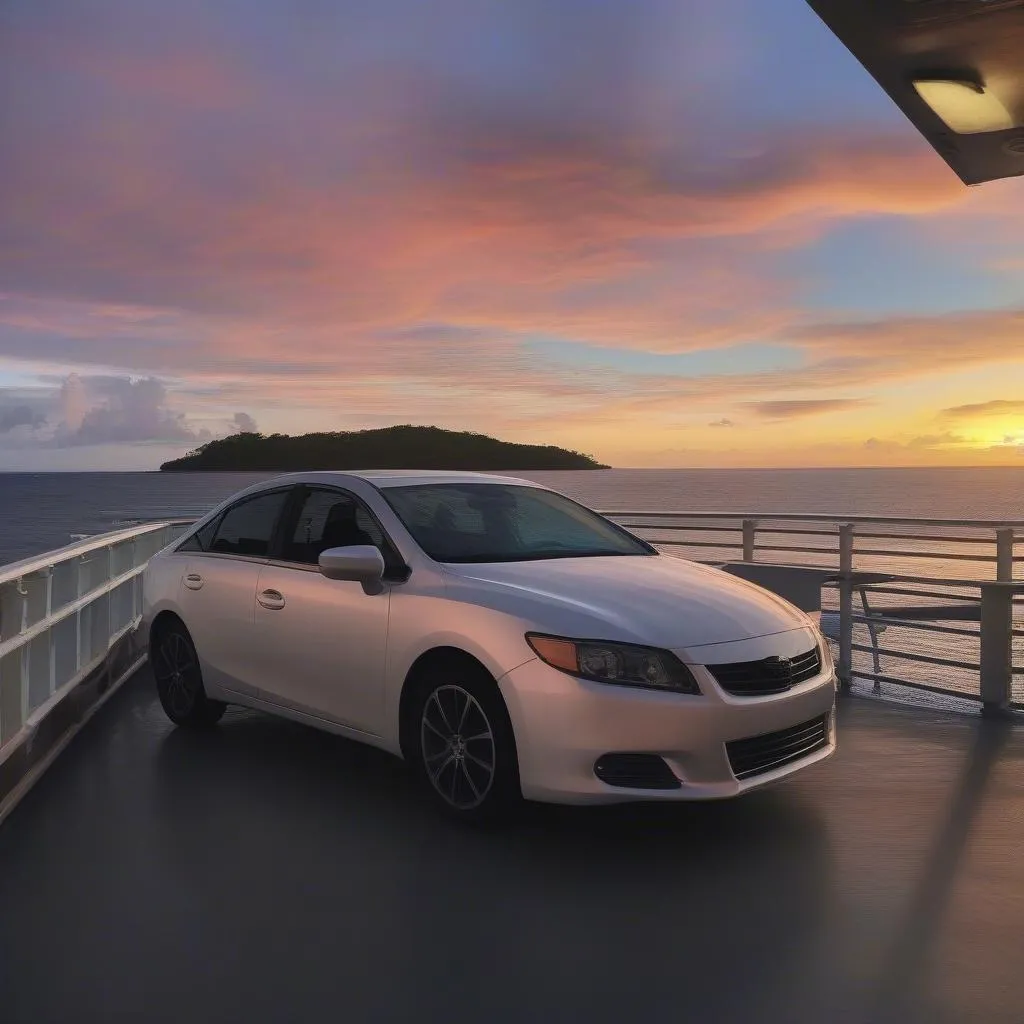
column 822, row 517
column 36, row 563
column 998, row 595
column 747, row 544
column 69, row 622
column 76, row 549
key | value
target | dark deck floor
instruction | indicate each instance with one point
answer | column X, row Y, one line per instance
column 267, row 872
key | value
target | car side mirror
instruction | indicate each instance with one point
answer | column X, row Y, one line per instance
column 360, row 563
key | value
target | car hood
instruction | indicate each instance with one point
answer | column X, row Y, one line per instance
column 659, row 600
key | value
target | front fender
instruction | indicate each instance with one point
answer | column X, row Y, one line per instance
column 423, row 623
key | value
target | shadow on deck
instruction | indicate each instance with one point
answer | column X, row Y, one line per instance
column 267, row 872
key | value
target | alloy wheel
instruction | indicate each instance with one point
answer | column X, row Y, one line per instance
column 457, row 745
column 175, row 670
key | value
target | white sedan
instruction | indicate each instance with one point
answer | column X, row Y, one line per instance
column 505, row 640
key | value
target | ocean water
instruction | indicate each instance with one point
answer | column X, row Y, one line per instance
column 39, row 511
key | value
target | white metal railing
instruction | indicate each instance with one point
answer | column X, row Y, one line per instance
column 61, row 613
column 946, row 593
column 940, row 592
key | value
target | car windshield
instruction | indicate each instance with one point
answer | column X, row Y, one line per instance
column 505, row 523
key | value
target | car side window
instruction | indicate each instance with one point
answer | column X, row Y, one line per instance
column 248, row 527
column 201, row 539
column 331, row 519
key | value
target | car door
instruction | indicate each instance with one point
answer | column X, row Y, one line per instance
column 217, row 596
column 321, row 644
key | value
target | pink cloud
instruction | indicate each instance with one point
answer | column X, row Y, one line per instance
column 570, row 247
column 404, row 204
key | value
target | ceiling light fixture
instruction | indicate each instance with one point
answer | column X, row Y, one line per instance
column 964, row 106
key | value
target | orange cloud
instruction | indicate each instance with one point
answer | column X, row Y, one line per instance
column 790, row 409
column 901, row 347
column 996, row 407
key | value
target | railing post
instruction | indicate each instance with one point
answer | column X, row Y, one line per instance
column 846, row 605
column 1004, row 554
column 996, row 647
column 749, row 539
column 23, row 662
column 109, row 598
column 80, row 589
column 51, row 647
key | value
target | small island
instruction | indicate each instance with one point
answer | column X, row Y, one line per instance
column 402, row 447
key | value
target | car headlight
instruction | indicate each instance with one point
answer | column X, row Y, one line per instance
column 620, row 664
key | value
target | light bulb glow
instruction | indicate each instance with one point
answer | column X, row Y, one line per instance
column 964, row 107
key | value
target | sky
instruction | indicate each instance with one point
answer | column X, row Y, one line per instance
column 662, row 232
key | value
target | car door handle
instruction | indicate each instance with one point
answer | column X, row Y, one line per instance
column 193, row 581
column 272, row 599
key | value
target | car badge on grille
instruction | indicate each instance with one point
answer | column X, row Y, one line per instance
column 779, row 668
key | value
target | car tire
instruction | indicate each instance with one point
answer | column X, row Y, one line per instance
column 179, row 679
column 464, row 747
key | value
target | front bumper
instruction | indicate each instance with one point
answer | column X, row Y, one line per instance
column 563, row 725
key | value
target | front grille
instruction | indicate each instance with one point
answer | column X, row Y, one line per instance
column 635, row 771
column 756, row 755
column 769, row 675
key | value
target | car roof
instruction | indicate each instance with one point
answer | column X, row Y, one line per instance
column 385, row 478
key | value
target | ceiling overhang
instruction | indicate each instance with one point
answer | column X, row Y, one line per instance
column 979, row 43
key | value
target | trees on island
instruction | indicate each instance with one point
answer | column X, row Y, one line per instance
column 400, row 447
